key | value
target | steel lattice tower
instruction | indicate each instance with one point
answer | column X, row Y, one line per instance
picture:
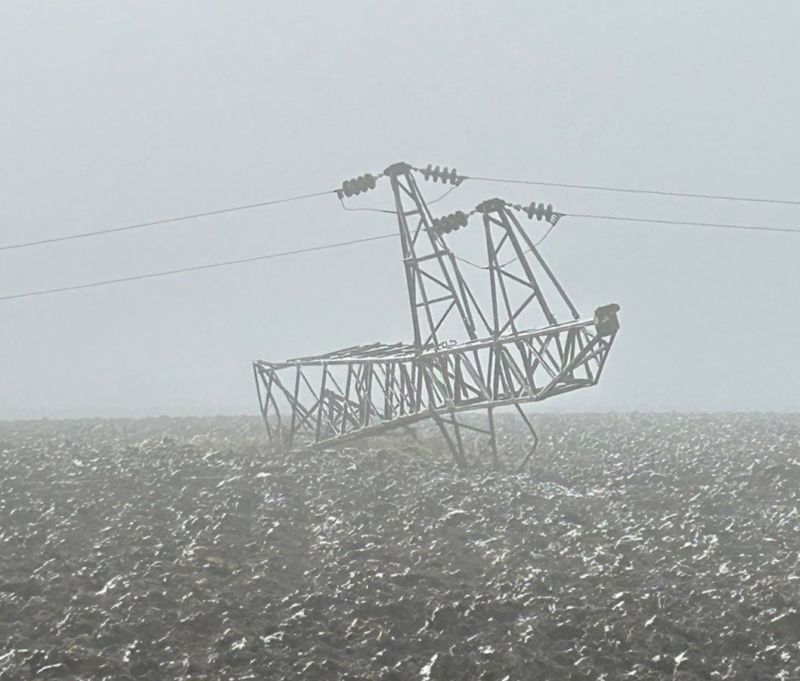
column 469, row 352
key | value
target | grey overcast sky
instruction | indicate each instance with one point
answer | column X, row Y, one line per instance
column 118, row 112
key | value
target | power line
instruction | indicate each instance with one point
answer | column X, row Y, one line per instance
column 340, row 244
column 261, row 204
column 196, row 268
column 632, row 190
column 718, row 225
column 164, row 221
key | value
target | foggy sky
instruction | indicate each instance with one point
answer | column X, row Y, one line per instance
column 119, row 112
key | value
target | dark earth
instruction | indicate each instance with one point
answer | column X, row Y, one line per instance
column 634, row 546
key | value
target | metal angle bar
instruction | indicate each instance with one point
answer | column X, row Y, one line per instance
column 535, row 437
column 578, row 360
column 403, row 187
column 304, row 421
column 436, row 328
column 518, row 312
column 399, row 393
column 424, row 377
column 506, row 299
column 459, row 441
column 581, row 339
column 296, row 406
column 532, row 247
column 491, row 374
column 346, row 398
column 423, row 258
column 321, row 411
column 494, row 220
column 358, row 388
column 308, row 385
column 407, row 388
column 334, row 381
column 455, row 450
column 421, row 373
column 544, row 349
column 263, row 400
column 478, row 309
column 438, row 245
column 464, row 362
column 500, row 374
column 408, row 251
column 258, row 379
column 270, row 397
column 525, row 354
column 458, row 379
column 426, row 305
column 602, row 362
column 510, row 222
column 497, row 282
column 448, row 375
column 508, row 376
column 513, row 368
column 432, row 278
column 569, row 345
column 582, row 346
column 599, row 350
column 420, row 227
column 540, row 360
column 388, row 391
column 439, row 383
column 372, row 409
column 378, row 352
column 463, row 290
column 478, row 367
column 523, row 335
column 586, row 364
column 506, row 273
column 476, row 374
column 493, row 267
column 377, row 378
column 436, row 300
column 466, row 426
column 365, row 352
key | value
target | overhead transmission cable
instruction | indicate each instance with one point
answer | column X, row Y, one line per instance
column 163, row 221
column 196, row 268
column 634, row 190
column 270, row 256
column 261, row 204
column 363, row 183
column 617, row 218
column 688, row 223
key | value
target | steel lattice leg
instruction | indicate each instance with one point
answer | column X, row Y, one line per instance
column 532, row 431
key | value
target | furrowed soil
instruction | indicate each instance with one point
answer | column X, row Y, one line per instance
column 634, row 546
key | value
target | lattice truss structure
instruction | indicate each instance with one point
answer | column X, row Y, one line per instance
column 511, row 338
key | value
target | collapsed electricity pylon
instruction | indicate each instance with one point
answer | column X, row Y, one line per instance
column 513, row 347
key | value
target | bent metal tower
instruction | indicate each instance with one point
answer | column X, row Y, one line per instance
column 502, row 337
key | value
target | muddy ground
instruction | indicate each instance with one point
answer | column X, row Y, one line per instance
column 635, row 546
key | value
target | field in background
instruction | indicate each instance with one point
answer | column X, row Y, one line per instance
column 657, row 546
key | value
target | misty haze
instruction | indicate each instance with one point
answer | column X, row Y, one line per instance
column 399, row 341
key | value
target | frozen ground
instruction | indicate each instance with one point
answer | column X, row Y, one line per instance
column 637, row 546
